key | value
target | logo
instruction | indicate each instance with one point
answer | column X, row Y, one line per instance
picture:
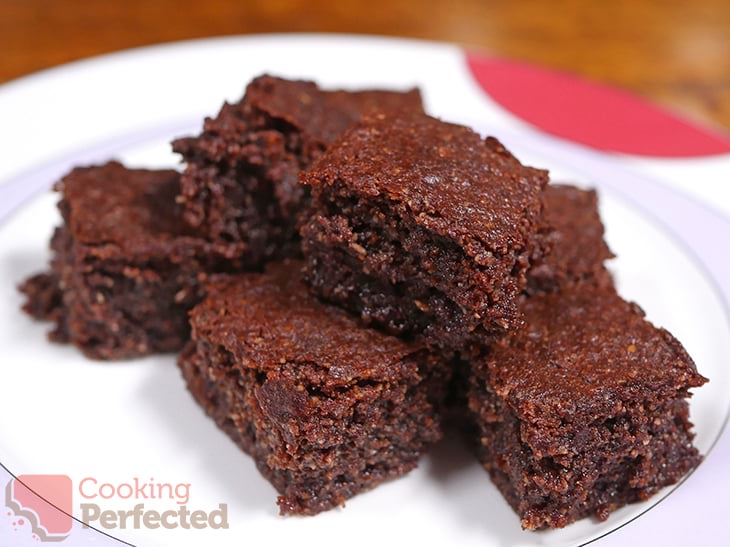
column 45, row 501
column 131, row 502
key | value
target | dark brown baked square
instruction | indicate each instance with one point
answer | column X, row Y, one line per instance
column 423, row 228
column 125, row 268
column 584, row 409
column 326, row 407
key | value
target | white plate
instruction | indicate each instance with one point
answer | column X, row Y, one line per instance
column 62, row 414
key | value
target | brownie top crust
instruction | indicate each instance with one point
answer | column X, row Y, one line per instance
column 132, row 209
column 585, row 352
column 323, row 115
column 266, row 320
column 282, row 106
column 449, row 179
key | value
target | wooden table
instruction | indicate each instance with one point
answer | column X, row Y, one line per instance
column 676, row 52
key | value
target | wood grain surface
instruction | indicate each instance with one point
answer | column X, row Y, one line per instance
column 675, row 52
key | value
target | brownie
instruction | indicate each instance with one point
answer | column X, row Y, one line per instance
column 423, row 228
column 326, row 407
column 577, row 251
column 125, row 268
column 584, row 409
column 240, row 189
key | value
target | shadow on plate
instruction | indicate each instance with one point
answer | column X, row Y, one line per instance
column 473, row 501
column 233, row 472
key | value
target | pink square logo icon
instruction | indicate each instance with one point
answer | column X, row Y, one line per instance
column 45, row 501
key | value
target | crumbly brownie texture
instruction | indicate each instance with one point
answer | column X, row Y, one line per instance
column 125, row 269
column 423, row 228
column 326, row 407
column 240, row 188
column 44, row 301
column 583, row 410
column 577, row 250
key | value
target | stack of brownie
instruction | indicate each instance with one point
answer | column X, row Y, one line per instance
column 343, row 271
column 577, row 404
column 137, row 246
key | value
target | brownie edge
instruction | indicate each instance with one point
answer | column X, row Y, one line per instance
column 576, row 249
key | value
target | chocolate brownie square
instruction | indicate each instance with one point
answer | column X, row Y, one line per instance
column 125, row 268
column 584, row 409
column 576, row 250
column 240, row 189
column 423, row 228
column 326, row 407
